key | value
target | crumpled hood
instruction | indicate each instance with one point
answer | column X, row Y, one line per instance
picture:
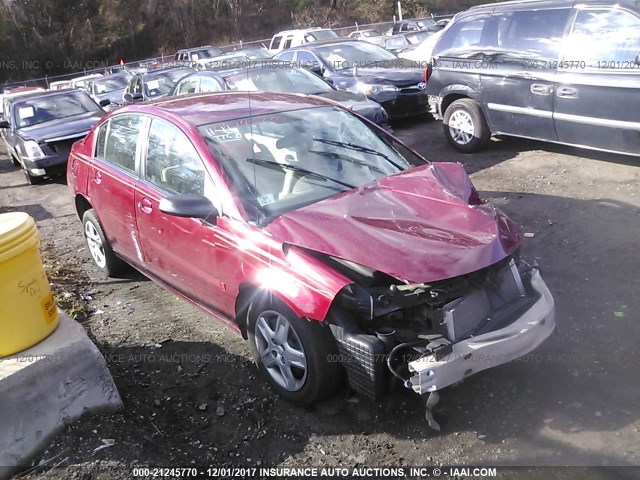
column 400, row 73
column 62, row 127
column 416, row 226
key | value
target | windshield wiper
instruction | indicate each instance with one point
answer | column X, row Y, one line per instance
column 294, row 168
column 358, row 148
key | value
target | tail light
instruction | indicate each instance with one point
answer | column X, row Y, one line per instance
column 427, row 73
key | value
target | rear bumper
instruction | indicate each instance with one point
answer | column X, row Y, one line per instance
column 435, row 106
column 491, row 349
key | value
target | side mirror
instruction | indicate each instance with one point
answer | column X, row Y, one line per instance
column 4, row 124
column 105, row 102
column 189, row 205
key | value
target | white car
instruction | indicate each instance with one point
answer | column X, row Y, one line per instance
column 295, row 38
column 82, row 82
column 422, row 52
column 370, row 35
column 59, row 85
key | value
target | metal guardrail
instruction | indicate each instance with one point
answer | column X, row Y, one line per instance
column 342, row 31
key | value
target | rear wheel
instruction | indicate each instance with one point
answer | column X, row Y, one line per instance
column 465, row 127
column 99, row 247
column 293, row 353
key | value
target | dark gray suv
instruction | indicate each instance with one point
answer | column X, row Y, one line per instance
column 559, row 71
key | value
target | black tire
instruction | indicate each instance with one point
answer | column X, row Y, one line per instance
column 110, row 265
column 318, row 346
column 32, row 179
column 15, row 161
column 469, row 110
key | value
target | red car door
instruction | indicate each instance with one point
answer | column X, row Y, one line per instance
column 179, row 251
column 111, row 181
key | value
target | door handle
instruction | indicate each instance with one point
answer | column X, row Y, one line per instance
column 567, row 92
column 540, row 89
column 97, row 177
column 145, row 205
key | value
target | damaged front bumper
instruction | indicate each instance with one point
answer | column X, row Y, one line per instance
column 475, row 354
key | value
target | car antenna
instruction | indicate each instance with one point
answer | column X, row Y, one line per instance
column 253, row 143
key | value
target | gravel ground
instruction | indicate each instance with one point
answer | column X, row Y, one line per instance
column 192, row 395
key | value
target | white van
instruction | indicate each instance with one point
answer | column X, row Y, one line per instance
column 295, row 38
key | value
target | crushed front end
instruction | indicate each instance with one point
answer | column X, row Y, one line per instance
column 429, row 336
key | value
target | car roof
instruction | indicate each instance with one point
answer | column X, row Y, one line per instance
column 300, row 30
column 225, row 106
column 333, row 41
column 156, row 71
column 46, row 93
column 196, row 48
column 268, row 63
column 551, row 4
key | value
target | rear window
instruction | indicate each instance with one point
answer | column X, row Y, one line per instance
column 463, row 38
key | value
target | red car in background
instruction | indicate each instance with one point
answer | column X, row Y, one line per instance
column 323, row 240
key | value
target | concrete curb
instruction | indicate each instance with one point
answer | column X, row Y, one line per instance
column 47, row 387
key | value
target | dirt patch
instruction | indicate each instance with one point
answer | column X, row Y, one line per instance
column 192, row 395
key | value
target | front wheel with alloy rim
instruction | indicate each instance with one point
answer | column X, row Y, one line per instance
column 99, row 247
column 294, row 354
column 465, row 127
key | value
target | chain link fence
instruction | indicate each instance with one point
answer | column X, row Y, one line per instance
column 45, row 81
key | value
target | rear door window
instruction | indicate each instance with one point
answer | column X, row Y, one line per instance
column 604, row 38
column 531, row 34
column 287, row 43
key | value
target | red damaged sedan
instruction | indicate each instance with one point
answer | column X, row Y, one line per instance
column 329, row 245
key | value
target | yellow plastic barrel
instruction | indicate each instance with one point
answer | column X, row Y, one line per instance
column 28, row 312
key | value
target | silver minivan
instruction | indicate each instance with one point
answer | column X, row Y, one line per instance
column 560, row 71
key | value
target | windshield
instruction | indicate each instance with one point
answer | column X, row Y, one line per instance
column 161, row 83
column 285, row 80
column 397, row 42
column 343, row 56
column 52, row 107
column 321, row 35
column 253, row 53
column 110, row 84
column 284, row 161
column 206, row 53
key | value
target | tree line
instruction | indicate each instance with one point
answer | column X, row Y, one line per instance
column 54, row 37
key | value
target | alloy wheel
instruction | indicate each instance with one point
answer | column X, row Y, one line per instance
column 280, row 350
